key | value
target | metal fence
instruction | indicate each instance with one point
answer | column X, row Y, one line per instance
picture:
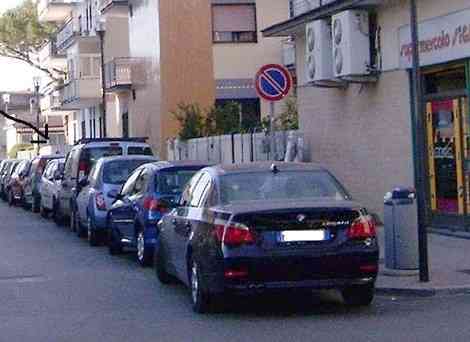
column 240, row 148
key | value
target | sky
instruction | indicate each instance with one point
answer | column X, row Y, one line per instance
column 14, row 75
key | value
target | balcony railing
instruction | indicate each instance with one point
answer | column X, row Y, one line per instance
column 106, row 4
column 43, row 6
column 66, row 34
column 299, row 7
column 288, row 53
column 123, row 72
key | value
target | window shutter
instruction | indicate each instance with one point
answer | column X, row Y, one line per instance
column 234, row 18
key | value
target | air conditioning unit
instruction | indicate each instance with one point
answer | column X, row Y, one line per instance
column 351, row 44
column 319, row 56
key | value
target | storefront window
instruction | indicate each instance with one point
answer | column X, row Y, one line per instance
column 445, row 81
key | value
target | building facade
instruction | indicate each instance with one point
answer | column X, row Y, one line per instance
column 361, row 126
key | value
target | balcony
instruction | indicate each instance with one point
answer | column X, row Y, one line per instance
column 288, row 53
column 79, row 93
column 55, row 10
column 299, row 7
column 122, row 73
column 67, row 34
column 118, row 8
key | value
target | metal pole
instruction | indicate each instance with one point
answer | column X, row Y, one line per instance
column 271, row 130
column 418, row 126
column 101, row 33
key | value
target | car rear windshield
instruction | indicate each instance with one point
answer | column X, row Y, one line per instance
column 90, row 156
column 285, row 185
column 117, row 172
column 172, row 182
column 139, row 150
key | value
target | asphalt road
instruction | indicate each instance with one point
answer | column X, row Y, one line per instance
column 54, row 287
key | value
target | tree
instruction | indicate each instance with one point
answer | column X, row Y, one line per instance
column 191, row 120
column 22, row 36
column 289, row 118
column 223, row 119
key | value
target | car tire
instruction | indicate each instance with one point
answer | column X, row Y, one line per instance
column 57, row 215
column 114, row 243
column 76, row 226
column 200, row 299
column 36, row 204
column 159, row 265
column 43, row 211
column 359, row 295
column 92, row 234
column 144, row 254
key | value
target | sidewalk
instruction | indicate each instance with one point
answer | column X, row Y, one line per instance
column 449, row 265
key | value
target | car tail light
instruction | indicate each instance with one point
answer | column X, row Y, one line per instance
column 373, row 268
column 235, row 273
column 100, row 201
column 156, row 209
column 361, row 229
column 83, row 167
column 234, row 235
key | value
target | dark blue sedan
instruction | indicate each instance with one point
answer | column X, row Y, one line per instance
column 149, row 193
column 261, row 227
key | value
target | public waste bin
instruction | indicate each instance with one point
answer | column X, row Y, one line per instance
column 401, row 230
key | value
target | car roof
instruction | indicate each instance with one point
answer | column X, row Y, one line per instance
column 160, row 165
column 90, row 143
column 264, row 166
column 128, row 157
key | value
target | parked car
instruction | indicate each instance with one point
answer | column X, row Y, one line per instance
column 262, row 226
column 148, row 194
column 4, row 166
column 32, row 196
column 49, row 187
column 98, row 192
column 81, row 160
column 8, row 169
column 16, row 184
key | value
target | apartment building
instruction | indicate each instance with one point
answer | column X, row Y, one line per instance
column 83, row 34
column 355, row 100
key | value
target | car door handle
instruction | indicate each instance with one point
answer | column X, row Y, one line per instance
column 174, row 222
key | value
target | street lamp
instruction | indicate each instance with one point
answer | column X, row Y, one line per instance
column 419, row 146
column 100, row 29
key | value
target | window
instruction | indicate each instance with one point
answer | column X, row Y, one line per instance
column 189, row 189
column 141, row 184
column 128, row 187
column 199, row 190
column 139, row 150
column 234, row 23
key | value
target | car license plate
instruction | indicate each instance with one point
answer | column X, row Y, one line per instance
column 303, row 235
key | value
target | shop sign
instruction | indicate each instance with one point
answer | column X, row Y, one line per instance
column 441, row 39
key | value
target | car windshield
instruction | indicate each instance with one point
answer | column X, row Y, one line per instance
column 118, row 171
column 172, row 182
column 285, row 185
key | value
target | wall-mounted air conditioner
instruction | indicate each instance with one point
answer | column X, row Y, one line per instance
column 319, row 56
column 351, row 43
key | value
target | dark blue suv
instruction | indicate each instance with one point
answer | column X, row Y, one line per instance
column 150, row 192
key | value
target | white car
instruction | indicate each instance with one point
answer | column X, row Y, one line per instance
column 50, row 186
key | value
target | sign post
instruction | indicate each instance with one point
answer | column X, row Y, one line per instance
column 273, row 82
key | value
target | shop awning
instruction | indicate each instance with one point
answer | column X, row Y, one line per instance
column 289, row 27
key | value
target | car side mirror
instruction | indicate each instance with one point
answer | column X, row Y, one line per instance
column 115, row 194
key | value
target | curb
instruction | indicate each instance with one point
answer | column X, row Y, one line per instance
column 423, row 292
column 450, row 233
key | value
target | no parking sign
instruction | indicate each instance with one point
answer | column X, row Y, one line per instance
column 273, row 82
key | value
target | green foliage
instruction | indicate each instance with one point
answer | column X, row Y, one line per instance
column 289, row 118
column 13, row 153
column 191, row 119
column 224, row 119
column 22, row 35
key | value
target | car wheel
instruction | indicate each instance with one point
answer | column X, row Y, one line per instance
column 11, row 199
column 43, row 211
column 77, row 227
column 200, row 299
column 114, row 243
column 159, row 264
column 92, row 234
column 56, row 214
column 144, row 255
column 360, row 295
column 36, row 205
